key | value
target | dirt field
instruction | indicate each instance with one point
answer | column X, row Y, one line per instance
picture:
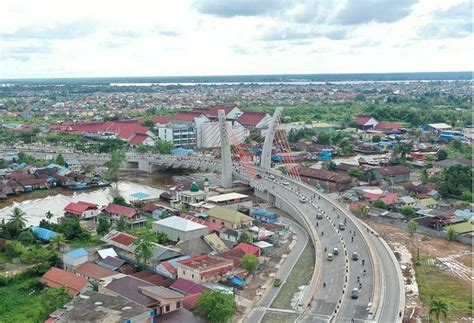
column 443, row 271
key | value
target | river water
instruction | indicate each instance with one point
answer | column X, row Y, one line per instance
column 55, row 201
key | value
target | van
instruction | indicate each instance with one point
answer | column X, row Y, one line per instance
column 355, row 256
column 330, row 257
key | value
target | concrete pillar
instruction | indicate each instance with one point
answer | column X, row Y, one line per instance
column 226, row 171
column 266, row 157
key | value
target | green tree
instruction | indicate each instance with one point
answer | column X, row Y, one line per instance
column 354, row 172
column 324, row 138
column 376, row 138
column 249, row 262
column 58, row 240
column 71, row 229
column 148, row 123
column 216, row 307
column 408, row 211
column 456, row 144
column 283, row 170
column 103, row 226
column 120, row 201
column 123, row 224
column 442, row 154
column 162, row 147
column 142, row 149
column 27, row 237
column 49, row 215
column 402, row 149
column 412, row 226
column 114, row 163
column 456, row 181
column 60, row 160
column 143, row 250
column 379, row 204
column 14, row 249
column 245, row 237
column 17, row 222
column 437, row 308
column 450, row 233
column 54, row 298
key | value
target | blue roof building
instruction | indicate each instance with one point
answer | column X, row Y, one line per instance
column 43, row 234
column 77, row 253
column 264, row 215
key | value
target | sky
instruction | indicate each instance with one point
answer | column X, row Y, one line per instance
column 102, row 38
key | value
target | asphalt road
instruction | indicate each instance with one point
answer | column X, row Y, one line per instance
column 257, row 313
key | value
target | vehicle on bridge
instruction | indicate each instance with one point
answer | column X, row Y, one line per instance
column 319, row 216
column 330, row 257
column 355, row 293
column 355, row 256
column 335, row 251
column 303, row 199
column 342, row 226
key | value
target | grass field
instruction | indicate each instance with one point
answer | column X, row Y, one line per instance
column 434, row 283
column 300, row 275
column 274, row 317
column 19, row 302
column 93, row 242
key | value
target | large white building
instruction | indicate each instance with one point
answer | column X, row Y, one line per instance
column 180, row 229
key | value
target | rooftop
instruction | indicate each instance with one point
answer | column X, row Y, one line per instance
column 226, row 197
column 179, row 223
column 56, row 277
column 94, row 271
column 228, row 215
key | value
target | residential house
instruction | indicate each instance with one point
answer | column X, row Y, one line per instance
column 93, row 272
column 75, row 258
column 82, row 210
column 180, row 229
column 264, row 215
column 332, row 181
column 116, row 211
column 229, row 218
column 168, row 268
column 366, row 122
column 248, row 248
column 254, row 120
column 230, row 235
column 205, row 268
column 266, row 248
column 190, row 290
column 56, row 277
column 392, row 174
column 406, row 201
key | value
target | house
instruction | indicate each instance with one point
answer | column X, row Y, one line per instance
column 190, row 290
column 82, row 210
column 452, row 162
column 213, row 227
column 168, row 299
column 168, row 268
column 56, row 277
column 96, row 307
column 227, row 199
column 264, row 215
column 329, row 180
column 229, row 218
column 153, row 278
column 234, row 255
column 111, row 263
column 266, row 248
column 74, row 258
column 248, row 248
column 215, row 242
column 180, row 229
column 116, row 211
column 205, row 268
column 436, row 128
column 406, row 201
column 43, row 234
column 254, row 120
column 427, row 203
column 93, row 272
column 366, row 122
column 392, row 174
column 194, row 247
column 230, row 235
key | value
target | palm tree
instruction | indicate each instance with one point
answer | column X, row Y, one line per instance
column 123, row 223
column 438, row 307
column 95, row 285
column 58, row 240
column 143, row 249
column 17, row 221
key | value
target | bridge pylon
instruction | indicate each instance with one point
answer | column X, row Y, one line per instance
column 226, row 171
column 266, row 156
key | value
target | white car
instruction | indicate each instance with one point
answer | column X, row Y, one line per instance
column 303, row 199
column 271, row 177
column 286, row 183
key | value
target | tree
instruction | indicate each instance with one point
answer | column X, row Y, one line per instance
column 379, row 204
column 442, row 154
column 450, row 233
column 114, row 163
column 49, row 215
column 27, row 237
column 283, row 170
column 71, row 229
column 216, row 307
column 456, row 181
column 120, row 201
column 148, row 123
column 324, row 138
column 438, row 307
column 402, row 149
column 376, row 138
column 54, row 298
column 17, row 222
column 104, row 225
column 249, row 262
column 142, row 149
column 123, row 224
column 143, row 249
column 245, row 237
column 354, row 172
column 456, row 144
column 60, row 160
column 412, row 226
column 162, row 147
column 58, row 240
column 14, row 249
column 408, row 211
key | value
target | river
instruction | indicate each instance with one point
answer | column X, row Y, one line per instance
column 55, row 200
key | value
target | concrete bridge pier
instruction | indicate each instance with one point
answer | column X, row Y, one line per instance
column 266, row 157
column 226, row 171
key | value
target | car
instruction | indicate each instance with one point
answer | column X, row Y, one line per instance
column 271, row 177
column 319, row 216
column 259, row 176
column 277, row 282
column 330, row 257
column 286, row 183
column 303, row 199
column 335, row 251
column 342, row 226
column 355, row 256
column 355, row 293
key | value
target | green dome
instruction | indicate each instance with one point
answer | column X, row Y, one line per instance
column 194, row 187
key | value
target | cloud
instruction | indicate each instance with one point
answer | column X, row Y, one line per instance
column 126, row 33
column 43, row 48
column 59, row 31
column 235, row 8
column 460, row 11
column 293, row 33
column 169, row 33
column 453, row 22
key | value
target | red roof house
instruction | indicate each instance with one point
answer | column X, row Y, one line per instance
column 119, row 210
column 56, row 277
column 251, row 119
column 248, row 248
column 81, row 209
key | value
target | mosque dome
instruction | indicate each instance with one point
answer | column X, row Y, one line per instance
column 194, row 187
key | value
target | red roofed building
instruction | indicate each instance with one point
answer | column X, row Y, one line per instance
column 56, row 277
column 191, row 290
column 252, row 120
column 329, row 180
column 366, row 122
column 205, row 268
column 83, row 210
column 116, row 211
column 91, row 271
column 213, row 227
column 385, row 126
column 248, row 248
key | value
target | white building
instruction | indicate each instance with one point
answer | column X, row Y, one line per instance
column 74, row 259
column 180, row 229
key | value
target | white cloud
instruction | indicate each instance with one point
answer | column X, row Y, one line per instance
column 134, row 38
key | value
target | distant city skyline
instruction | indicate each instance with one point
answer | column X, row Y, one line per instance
column 55, row 39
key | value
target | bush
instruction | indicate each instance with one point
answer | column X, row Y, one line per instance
column 14, row 249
